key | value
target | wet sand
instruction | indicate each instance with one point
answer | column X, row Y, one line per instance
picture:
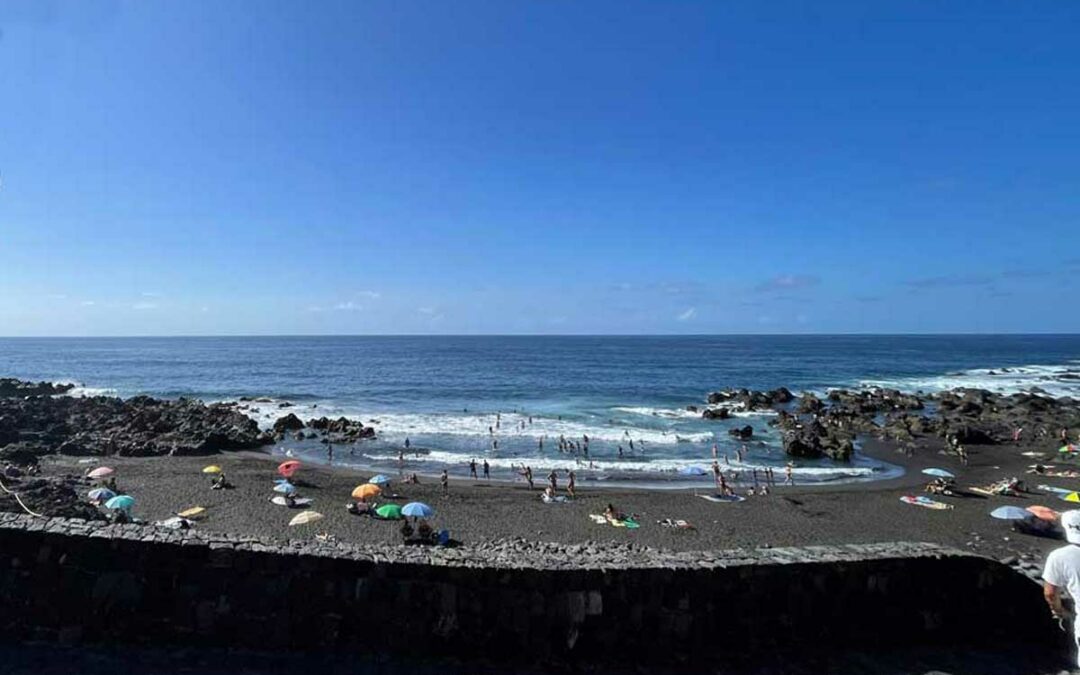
column 478, row 511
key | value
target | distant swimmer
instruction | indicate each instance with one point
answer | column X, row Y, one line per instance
column 715, row 450
column 407, row 443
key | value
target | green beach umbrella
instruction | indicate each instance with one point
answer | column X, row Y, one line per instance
column 389, row 511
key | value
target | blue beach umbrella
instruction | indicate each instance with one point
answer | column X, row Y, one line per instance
column 939, row 473
column 1010, row 513
column 285, row 488
column 379, row 480
column 417, row 510
column 101, row 494
column 692, row 471
column 120, row 502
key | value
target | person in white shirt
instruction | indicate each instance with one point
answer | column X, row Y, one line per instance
column 1062, row 570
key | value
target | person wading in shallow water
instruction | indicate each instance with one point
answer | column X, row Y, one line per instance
column 487, row 470
column 472, row 468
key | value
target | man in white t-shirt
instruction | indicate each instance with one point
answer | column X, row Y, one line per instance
column 1063, row 571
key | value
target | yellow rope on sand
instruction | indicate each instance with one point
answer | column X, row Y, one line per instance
column 19, row 499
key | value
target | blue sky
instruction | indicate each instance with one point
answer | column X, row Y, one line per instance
column 538, row 167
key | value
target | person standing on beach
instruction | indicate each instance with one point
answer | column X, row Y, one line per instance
column 1016, row 434
column 1062, row 570
column 487, row 470
column 789, row 474
column 571, row 482
column 472, row 469
column 553, row 480
column 529, row 477
column 445, row 481
column 329, row 453
column 716, row 473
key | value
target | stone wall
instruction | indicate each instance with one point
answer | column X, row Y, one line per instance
column 78, row 582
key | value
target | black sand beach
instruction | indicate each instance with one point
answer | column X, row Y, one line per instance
column 476, row 511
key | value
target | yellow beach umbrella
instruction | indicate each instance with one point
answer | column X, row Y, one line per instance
column 193, row 512
column 366, row 491
column 1072, row 497
column 305, row 518
column 213, row 468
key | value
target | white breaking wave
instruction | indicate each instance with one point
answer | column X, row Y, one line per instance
column 610, row 466
column 476, row 425
column 81, row 390
column 1054, row 380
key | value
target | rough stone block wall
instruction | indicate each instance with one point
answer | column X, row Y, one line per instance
column 76, row 582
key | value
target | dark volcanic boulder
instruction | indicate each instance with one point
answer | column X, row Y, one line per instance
column 139, row 426
column 10, row 386
column 52, row 496
column 716, row 413
column 969, row 435
column 288, row 423
column 344, row 429
column 744, row 433
column 809, row 403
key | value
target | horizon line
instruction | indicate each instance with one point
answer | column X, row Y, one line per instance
column 533, row 335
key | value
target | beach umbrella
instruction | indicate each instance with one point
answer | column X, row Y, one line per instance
column 692, row 471
column 1065, row 449
column 101, row 472
column 213, row 468
column 379, row 480
column 366, row 491
column 1044, row 512
column 389, row 511
column 938, row 473
column 288, row 468
column 305, row 518
column 417, row 510
column 121, row 502
column 193, row 512
column 285, row 488
column 101, row 494
column 1010, row 513
column 1072, row 497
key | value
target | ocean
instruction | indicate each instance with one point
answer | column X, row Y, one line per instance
column 451, row 397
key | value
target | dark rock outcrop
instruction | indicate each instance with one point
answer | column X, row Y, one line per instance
column 343, row 429
column 140, row 426
column 288, row 423
column 9, row 386
column 743, row 433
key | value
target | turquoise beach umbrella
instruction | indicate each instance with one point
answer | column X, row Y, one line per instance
column 120, row 502
column 379, row 480
column 417, row 510
column 285, row 488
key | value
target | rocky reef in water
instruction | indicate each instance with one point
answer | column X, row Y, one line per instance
column 812, row 427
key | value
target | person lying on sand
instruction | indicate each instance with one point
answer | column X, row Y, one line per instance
column 941, row 486
column 360, row 508
column 611, row 513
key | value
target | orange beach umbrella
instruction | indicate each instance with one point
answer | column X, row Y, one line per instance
column 366, row 491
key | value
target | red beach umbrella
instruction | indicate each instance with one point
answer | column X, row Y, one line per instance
column 288, row 468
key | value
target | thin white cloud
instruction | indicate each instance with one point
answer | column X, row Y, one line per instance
column 426, row 310
column 144, row 306
column 371, row 295
column 690, row 313
column 88, row 303
column 348, row 306
column 150, row 294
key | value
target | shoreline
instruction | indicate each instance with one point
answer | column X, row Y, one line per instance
column 481, row 511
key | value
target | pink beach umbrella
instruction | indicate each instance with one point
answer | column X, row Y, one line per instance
column 101, row 472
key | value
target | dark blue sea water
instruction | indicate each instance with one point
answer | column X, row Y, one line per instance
column 443, row 393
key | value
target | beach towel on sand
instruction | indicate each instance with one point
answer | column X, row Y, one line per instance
column 925, row 502
column 724, row 499
column 680, row 524
column 628, row 523
column 280, row 501
column 1055, row 490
